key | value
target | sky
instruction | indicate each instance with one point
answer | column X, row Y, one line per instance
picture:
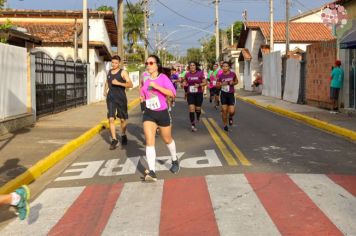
column 183, row 15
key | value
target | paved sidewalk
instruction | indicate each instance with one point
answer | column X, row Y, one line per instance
column 347, row 121
column 22, row 149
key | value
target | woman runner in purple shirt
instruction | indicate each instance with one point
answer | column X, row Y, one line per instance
column 154, row 92
column 194, row 80
column 226, row 81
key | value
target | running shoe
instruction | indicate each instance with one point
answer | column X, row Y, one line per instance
column 175, row 167
column 124, row 140
column 194, row 129
column 226, row 128
column 23, row 208
column 231, row 121
column 150, row 176
column 113, row 144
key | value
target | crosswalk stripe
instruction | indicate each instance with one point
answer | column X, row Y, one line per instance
column 137, row 212
column 337, row 203
column 237, row 208
column 90, row 212
column 45, row 212
column 292, row 211
column 345, row 181
column 235, row 204
column 186, row 208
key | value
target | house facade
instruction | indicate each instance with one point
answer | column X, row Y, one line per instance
column 254, row 41
column 61, row 35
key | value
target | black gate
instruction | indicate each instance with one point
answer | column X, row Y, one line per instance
column 60, row 84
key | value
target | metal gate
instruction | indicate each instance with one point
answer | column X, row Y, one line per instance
column 60, row 84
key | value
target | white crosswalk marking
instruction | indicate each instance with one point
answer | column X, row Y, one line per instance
column 137, row 212
column 45, row 212
column 336, row 203
column 237, row 208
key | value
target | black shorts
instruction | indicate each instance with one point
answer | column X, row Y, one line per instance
column 334, row 93
column 227, row 99
column 143, row 105
column 213, row 91
column 118, row 110
column 161, row 118
column 195, row 99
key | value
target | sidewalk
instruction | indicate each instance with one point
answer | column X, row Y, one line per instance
column 347, row 121
column 22, row 149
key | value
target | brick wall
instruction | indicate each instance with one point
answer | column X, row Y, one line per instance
column 319, row 60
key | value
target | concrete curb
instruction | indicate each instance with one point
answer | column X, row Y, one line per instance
column 306, row 119
column 52, row 159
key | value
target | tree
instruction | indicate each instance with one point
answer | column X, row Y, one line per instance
column 238, row 26
column 194, row 54
column 133, row 24
column 7, row 25
column 105, row 8
column 208, row 52
column 2, row 3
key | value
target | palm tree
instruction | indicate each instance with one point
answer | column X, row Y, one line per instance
column 133, row 25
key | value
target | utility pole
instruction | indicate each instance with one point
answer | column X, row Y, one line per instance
column 232, row 34
column 287, row 27
column 155, row 27
column 271, row 35
column 75, row 40
column 146, row 15
column 217, row 38
column 85, row 31
column 120, row 31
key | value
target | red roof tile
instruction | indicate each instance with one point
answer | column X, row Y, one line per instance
column 299, row 32
column 50, row 32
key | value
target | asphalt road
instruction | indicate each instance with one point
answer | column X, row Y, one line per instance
column 287, row 159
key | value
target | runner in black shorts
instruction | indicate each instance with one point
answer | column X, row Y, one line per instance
column 226, row 81
column 155, row 91
column 194, row 80
column 114, row 91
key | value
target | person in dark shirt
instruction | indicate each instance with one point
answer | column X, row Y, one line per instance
column 114, row 91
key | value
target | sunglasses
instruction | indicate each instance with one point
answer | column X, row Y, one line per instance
column 150, row 63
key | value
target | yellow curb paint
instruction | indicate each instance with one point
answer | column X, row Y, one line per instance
column 46, row 163
column 226, row 153
column 306, row 119
column 231, row 144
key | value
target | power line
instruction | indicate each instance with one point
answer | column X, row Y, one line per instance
column 177, row 13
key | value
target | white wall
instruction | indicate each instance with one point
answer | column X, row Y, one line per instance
column 13, row 82
column 272, row 69
column 313, row 18
column 65, row 52
column 282, row 47
column 291, row 87
column 98, row 32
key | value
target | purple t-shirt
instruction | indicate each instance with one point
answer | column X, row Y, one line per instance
column 194, row 78
column 155, row 100
column 227, row 78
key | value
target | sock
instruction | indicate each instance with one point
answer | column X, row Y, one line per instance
column 15, row 199
column 192, row 118
column 172, row 150
column 198, row 114
column 151, row 157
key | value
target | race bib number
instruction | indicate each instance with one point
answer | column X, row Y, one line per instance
column 153, row 103
column 214, row 83
column 225, row 88
column 193, row 89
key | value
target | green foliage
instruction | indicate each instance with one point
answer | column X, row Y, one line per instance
column 133, row 24
column 105, row 8
column 194, row 54
column 238, row 27
column 2, row 3
column 7, row 25
column 209, row 50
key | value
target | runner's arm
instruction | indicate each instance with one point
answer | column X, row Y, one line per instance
column 106, row 88
column 126, row 77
